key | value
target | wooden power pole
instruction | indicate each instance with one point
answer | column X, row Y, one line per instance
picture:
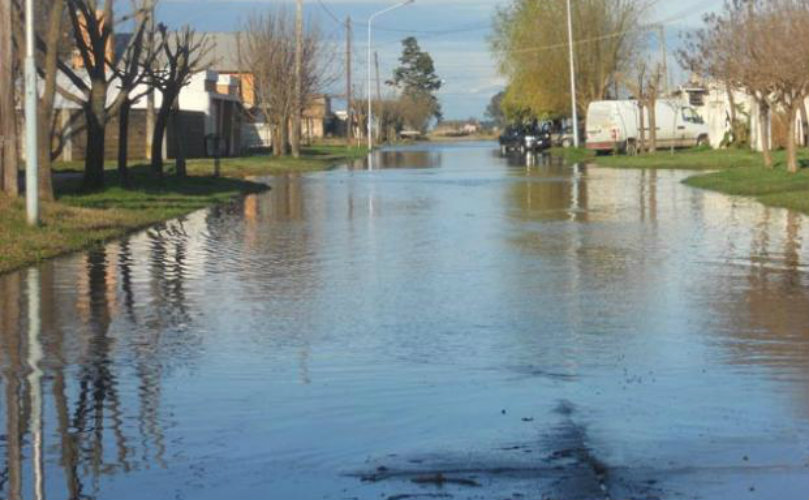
column 349, row 96
column 378, row 96
column 8, row 118
column 298, row 98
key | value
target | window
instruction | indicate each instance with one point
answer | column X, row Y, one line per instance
column 691, row 116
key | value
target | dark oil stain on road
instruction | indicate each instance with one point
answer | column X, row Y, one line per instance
column 439, row 322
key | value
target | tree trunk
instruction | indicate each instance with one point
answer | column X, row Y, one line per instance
column 44, row 177
column 123, row 143
column 652, row 126
column 764, row 131
column 10, row 157
column 179, row 157
column 95, row 113
column 161, row 122
column 283, row 135
column 792, row 150
column 642, row 128
column 733, row 118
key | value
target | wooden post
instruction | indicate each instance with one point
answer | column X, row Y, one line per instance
column 8, row 114
column 378, row 97
column 349, row 111
column 295, row 137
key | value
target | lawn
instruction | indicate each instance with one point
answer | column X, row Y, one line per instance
column 683, row 159
column 79, row 220
column 772, row 187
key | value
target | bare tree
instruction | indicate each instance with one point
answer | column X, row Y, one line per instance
column 93, row 32
column 182, row 53
column 787, row 65
column 131, row 72
column 756, row 46
column 268, row 49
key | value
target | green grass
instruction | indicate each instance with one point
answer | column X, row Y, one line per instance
column 773, row 187
column 79, row 219
column 682, row 159
column 574, row 155
column 314, row 158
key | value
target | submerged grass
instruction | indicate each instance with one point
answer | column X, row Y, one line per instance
column 81, row 219
column 737, row 172
column 773, row 187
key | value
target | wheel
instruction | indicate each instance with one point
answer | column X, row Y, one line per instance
column 703, row 141
column 567, row 143
column 631, row 148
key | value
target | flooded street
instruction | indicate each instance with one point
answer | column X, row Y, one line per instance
column 449, row 324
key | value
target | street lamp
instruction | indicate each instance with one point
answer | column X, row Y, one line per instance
column 572, row 76
column 370, row 110
column 31, row 151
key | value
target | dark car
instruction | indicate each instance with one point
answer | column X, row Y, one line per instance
column 530, row 137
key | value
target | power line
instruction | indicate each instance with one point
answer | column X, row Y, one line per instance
column 329, row 12
column 683, row 14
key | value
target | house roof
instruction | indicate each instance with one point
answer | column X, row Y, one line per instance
column 224, row 51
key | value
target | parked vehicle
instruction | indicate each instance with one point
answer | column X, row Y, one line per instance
column 615, row 126
column 531, row 137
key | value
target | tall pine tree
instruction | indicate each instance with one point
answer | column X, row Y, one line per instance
column 416, row 79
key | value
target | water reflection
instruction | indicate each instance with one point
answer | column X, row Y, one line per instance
column 272, row 344
column 550, row 191
column 399, row 159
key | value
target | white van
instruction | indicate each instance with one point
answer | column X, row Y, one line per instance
column 615, row 125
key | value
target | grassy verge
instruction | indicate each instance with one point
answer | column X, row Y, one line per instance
column 79, row 220
column 684, row 159
column 772, row 187
column 738, row 172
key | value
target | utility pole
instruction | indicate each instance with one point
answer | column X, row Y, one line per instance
column 661, row 34
column 31, row 150
column 349, row 97
column 574, row 105
column 8, row 128
column 295, row 137
column 150, row 102
column 378, row 96
column 370, row 44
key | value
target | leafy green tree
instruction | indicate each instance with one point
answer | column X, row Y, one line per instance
column 417, row 80
column 494, row 111
column 530, row 42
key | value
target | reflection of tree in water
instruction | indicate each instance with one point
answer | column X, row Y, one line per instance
column 766, row 311
column 551, row 192
column 89, row 414
column 400, row 159
column 12, row 370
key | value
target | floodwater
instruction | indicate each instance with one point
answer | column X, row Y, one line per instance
column 450, row 324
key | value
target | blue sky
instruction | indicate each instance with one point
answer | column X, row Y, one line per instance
column 454, row 31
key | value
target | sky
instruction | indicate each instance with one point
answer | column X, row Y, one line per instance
column 454, row 32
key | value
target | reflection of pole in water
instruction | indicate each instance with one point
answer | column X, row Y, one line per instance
column 35, row 380
column 575, row 202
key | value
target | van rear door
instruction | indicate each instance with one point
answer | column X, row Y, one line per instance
column 601, row 133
